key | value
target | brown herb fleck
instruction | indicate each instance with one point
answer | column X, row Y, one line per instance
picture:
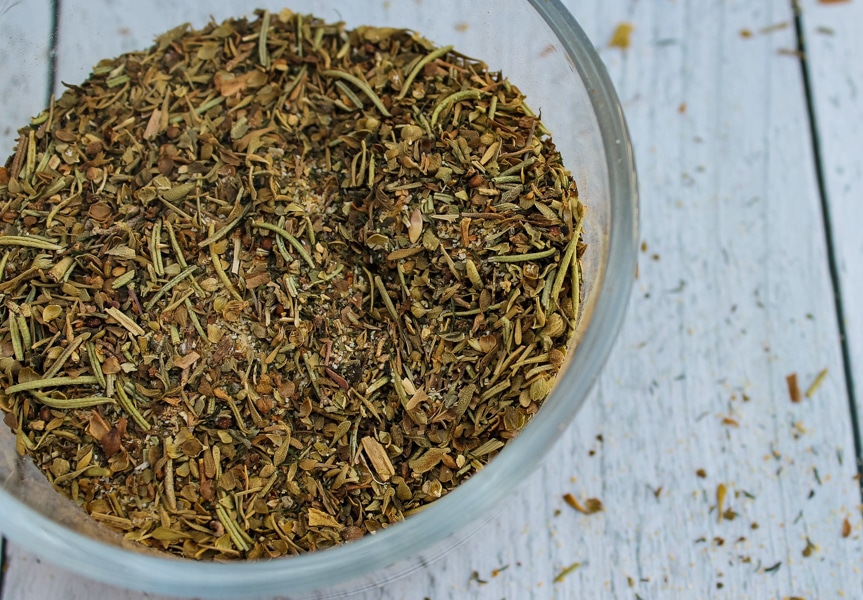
column 590, row 506
column 379, row 458
column 721, row 491
column 793, row 388
column 621, row 38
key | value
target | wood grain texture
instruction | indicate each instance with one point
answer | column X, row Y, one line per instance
column 25, row 27
column 834, row 50
column 732, row 296
column 24, row 46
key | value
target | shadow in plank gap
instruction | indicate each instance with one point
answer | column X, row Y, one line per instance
column 3, row 564
column 52, row 50
column 827, row 218
column 833, row 50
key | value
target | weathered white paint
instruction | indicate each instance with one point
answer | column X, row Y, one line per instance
column 736, row 298
column 25, row 27
column 834, row 49
column 24, row 48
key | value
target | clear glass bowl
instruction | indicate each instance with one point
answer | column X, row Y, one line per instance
column 540, row 48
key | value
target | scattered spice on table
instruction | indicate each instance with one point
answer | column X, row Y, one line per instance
column 499, row 570
column 774, row 28
column 773, row 568
column 591, row 505
column 816, row 383
column 721, row 492
column 793, row 388
column 622, row 36
column 567, row 571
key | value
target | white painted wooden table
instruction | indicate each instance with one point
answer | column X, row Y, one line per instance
column 751, row 170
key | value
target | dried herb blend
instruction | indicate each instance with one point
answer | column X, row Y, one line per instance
column 272, row 285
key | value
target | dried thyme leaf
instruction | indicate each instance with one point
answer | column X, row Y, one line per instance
column 816, row 383
column 28, row 242
column 567, row 571
column 434, row 54
column 67, row 353
column 38, row 384
column 70, row 403
column 362, row 85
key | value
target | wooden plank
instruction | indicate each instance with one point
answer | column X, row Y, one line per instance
column 834, row 51
column 730, row 209
column 24, row 45
column 732, row 296
column 42, row 577
column 125, row 27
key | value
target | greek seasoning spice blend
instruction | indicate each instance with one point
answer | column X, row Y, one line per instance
column 276, row 284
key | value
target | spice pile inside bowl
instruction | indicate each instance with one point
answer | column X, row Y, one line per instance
column 275, row 284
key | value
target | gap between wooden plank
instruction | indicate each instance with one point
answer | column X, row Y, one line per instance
column 828, row 236
column 3, row 563
column 52, row 51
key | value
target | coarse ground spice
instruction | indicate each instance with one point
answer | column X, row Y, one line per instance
column 275, row 284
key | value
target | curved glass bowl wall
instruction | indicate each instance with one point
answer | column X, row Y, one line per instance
column 541, row 49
